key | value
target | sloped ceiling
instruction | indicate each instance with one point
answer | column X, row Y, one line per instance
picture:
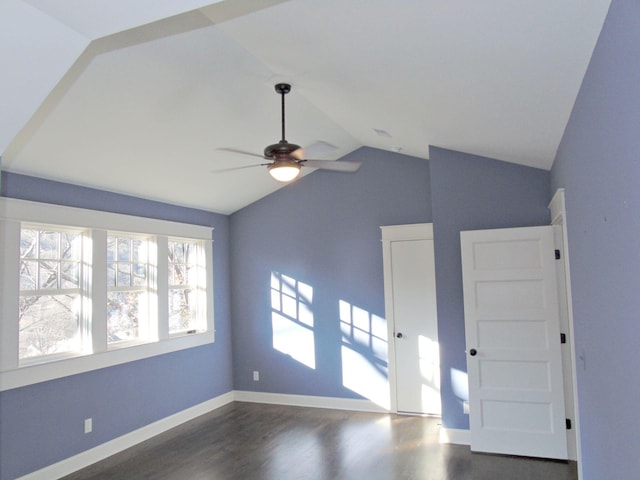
column 139, row 96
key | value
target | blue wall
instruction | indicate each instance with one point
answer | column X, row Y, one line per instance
column 472, row 193
column 42, row 423
column 324, row 231
column 328, row 237
column 598, row 163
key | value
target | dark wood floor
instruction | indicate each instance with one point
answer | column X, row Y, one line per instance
column 254, row 441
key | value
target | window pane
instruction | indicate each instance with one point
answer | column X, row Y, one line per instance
column 124, row 310
column 28, row 243
column 139, row 251
column 177, row 274
column 49, row 242
column 71, row 246
column 28, row 275
column 124, row 274
column 139, row 275
column 176, row 252
column 48, row 324
column 124, row 249
column 182, row 310
column 48, row 275
column 70, row 274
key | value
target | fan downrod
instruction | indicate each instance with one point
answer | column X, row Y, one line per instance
column 282, row 150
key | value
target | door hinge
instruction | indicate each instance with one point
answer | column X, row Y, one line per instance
column 563, row 338
column 557, row 252
column 567, row 422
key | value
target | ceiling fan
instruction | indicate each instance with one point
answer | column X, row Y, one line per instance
column 287, row 158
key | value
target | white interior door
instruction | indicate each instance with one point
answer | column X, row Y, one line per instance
column 412, row 315
column 514, row 361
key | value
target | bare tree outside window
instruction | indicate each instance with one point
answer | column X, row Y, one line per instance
column 127, row 287
column 186, row 285
column 50, row 304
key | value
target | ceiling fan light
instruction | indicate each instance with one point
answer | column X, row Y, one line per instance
column 284, row 173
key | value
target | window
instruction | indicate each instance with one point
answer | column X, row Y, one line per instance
column 128, row 288
column 187, row 285
column 82, row 290
column 51, row 294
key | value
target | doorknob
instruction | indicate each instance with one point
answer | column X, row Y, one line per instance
column 399, row 335
column 473, row 352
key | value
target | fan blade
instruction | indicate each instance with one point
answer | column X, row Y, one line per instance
column 320, row 149
column 231, row 169
column 317, row 149
column 336, row 166
column 240, row 152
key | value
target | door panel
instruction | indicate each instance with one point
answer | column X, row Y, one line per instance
column 512, row 329
column 417, row 352
column 410, row 307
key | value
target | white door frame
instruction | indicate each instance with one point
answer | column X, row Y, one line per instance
column 559, row 218
column 416, row 231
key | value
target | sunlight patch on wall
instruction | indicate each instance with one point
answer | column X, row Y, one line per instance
column 429, row 354
column 364, row 353
column 292, row 318
column 460, row 384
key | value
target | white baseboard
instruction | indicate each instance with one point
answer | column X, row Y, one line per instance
column 88, row 457
column 455, row 436
column 354, row 404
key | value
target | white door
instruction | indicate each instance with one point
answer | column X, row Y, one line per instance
column 411, row 312
column 514, row 362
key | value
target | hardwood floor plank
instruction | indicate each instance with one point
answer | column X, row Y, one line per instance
column 250, row 441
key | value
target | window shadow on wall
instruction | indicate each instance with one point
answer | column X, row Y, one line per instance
column 362, row 338
column 292, row 319
column 364, row 353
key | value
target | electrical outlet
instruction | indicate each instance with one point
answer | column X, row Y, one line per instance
column 256, row 376
column 465, row 407
column 88, row 425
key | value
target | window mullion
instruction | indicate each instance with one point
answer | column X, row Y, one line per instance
column 161, row 282
column 9, row 294
column 98, row 290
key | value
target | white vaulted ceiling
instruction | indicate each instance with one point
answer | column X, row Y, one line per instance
column 139, row 96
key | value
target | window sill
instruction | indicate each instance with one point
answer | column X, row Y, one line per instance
column 34, row 372
column 112, row 347
column 55, row 357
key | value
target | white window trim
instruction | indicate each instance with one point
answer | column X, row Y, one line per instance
column 12, row 213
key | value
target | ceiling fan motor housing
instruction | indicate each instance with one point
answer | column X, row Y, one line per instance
column 280, row 149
